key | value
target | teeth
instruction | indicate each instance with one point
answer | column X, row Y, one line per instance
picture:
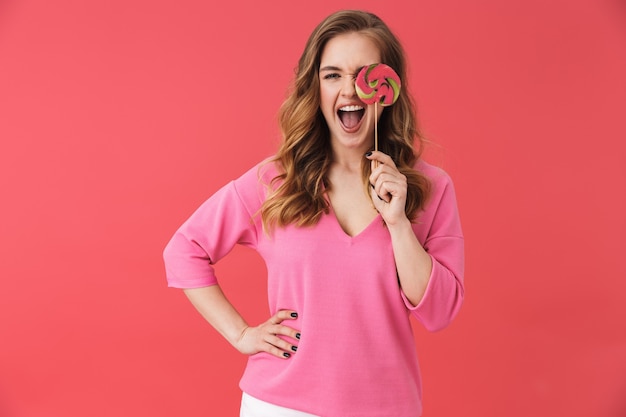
column 351, row 108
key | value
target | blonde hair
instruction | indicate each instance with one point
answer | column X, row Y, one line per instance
column 304, row 157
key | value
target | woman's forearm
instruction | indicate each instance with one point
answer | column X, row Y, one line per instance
column 213, row 305
column 270, row 336
column 413, row 264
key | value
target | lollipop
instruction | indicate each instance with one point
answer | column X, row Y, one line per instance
column 377, row 84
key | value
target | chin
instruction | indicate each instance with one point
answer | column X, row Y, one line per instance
column 351, row 141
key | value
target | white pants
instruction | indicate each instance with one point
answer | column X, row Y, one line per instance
column 253, row 407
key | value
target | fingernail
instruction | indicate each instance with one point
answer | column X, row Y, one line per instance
column 294, row 315
column 298, row 336
column 294, row 348
column 286, row 355
column 369, row 153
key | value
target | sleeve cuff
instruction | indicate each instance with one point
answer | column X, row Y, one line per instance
column 407, row 303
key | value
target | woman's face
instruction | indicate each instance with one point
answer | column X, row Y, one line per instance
column 350, row 121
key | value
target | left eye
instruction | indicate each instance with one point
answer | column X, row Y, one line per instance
column 330, row 76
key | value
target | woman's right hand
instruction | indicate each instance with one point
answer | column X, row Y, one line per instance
column 265, row 337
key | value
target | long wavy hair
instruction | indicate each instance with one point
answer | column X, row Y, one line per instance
column 297, row 194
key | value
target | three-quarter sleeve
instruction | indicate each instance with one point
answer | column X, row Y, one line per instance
column 442, row 238
column 212, row 231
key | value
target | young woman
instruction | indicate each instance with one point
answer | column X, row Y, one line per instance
column 355, row 242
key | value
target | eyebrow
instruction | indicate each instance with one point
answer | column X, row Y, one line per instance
column 334, row 68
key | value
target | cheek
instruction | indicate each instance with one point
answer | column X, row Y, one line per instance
column 327, row 101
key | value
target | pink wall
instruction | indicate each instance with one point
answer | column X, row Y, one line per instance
column 118, row 118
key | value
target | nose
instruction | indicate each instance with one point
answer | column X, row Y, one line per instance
column 348, row 89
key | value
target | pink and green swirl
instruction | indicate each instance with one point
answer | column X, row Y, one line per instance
column 378, row 83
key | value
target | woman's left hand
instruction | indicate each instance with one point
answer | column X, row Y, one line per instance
column 388, row 189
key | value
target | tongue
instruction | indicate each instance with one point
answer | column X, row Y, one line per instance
column 350, row 118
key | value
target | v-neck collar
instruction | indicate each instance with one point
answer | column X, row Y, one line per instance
column 333, row 217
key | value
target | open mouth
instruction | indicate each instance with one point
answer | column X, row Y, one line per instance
column 351, row 116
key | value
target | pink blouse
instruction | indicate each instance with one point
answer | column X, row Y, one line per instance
column 356, row 356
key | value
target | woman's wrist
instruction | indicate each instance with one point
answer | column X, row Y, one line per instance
column 403, row 224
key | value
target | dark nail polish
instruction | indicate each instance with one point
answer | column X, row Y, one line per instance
column 286, row 355
column 369, row 153
column 294, row 315
column 298, row 336
column 294, row 348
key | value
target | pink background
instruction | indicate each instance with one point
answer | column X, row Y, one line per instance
column 118, row 118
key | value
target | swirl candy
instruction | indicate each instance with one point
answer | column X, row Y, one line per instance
column 378, row 83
